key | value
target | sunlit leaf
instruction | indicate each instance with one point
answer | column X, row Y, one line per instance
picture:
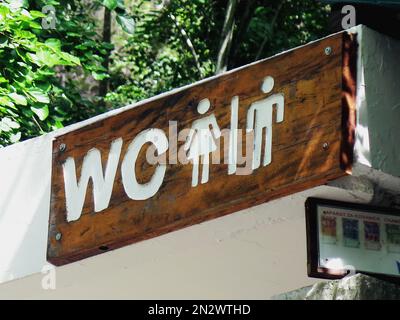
column 127, row 23
column 110, row 4
column 18, row 99
column 41, row 112
column 39, row 95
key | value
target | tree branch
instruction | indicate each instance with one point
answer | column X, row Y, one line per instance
column 270, row 31
column 241, row 32
column 188, row 42
column 103, row 86
column 226, row 39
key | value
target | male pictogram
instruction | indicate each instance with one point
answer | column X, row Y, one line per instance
column 259, row 118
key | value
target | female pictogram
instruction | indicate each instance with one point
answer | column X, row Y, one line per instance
column 201, row 142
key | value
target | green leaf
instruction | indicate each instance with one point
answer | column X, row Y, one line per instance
column 37, row 14
column 127, row 23
column 7, row 124
column 48, row 56
column 44, row 86
column 17, row 4
column 99, row 76
column 5, row 101
column 110, row 4
column 34, row 25
column 121, row 4
column 24, row 34
column 57, row 125
column 70, row 59
column 54, row 44
column 108, row 45
column 18, row 99
column 41, row 112
column 44, row 57
column 15, row 137
column 46, row 72
column 39, row 95
column 3, row 41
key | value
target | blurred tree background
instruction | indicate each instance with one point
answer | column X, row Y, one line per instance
column 63, row 61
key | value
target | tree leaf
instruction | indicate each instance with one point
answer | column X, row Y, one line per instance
column 17, row 4
column 70, row 59
column 37, row 14
column 15, row 137
column 18, row 99
column 44, row 57
column 127, row 23
column 99, row 76
column 110, row 4
column 54, row 44
column 5, row 101
column 7, row 124
column 41, row 112
column 39, row 95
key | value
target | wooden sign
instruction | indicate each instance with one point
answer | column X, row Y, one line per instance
column 260, row 132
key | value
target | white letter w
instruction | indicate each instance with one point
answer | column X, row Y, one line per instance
column 102, row 183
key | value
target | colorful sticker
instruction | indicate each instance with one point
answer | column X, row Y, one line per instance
column 393, row 237
column 350, row 233
column 328, row 228
column 372, row 235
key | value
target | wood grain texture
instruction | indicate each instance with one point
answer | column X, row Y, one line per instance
column 311, row 82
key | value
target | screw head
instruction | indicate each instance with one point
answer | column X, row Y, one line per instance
column 325, row 146
column 62, row 147
column 328, row 51
column 58, row 236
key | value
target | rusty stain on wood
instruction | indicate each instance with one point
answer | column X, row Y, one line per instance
column 318, row 91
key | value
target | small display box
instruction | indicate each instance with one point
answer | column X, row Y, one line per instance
column 347, row 237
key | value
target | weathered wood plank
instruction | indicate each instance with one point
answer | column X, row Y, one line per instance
column 307, row 149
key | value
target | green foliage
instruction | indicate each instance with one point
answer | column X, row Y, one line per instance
column 26, row 76
column 47, row 74
column 126, row 22
column 50, row 77
column 157, row 58
column 298, row 22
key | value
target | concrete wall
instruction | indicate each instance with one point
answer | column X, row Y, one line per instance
column 378, row 104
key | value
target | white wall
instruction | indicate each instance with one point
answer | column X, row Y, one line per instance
column 378, row 102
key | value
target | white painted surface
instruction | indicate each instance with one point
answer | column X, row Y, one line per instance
column 378, row 102
column 24, row 207
column 259, row 120
column 233, row 136
column 201, row 142
column 133, row 189
column 75, row 189
column 251, row 254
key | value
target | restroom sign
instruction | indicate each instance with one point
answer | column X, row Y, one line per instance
column 224, row 144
